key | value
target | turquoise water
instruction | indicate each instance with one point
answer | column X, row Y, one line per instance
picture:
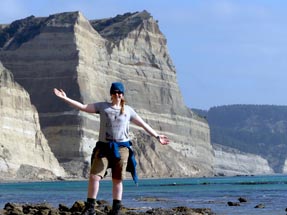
column 211, row 193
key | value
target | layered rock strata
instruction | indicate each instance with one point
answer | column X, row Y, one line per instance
column 24, row 151
column 83, row 57
column 231, row 162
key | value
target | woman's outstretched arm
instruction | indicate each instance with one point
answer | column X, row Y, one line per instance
column 140, row 122
column 90, row 108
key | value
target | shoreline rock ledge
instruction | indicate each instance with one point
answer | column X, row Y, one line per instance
column 102, row 208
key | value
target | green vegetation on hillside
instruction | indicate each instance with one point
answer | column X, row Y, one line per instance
column 257, row 129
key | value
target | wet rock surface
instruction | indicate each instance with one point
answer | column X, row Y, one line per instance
column 102, row 207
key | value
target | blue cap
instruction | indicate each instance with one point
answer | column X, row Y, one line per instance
column 117, row 86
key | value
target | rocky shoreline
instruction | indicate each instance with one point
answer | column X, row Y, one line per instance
column 102, row 207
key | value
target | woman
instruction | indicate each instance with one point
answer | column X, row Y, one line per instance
column 113, row 150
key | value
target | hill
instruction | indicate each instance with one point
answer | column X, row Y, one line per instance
column 256, row 129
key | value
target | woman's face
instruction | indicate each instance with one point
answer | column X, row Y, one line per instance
column 117, row 96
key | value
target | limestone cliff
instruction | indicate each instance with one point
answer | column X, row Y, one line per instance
column 231, row 162
column 284, row 171
column 24, row 151
column 83, row 57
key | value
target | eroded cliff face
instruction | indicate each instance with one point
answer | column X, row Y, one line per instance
column 24, row 151
column 284, row 171
column 83, row 57
column 231, row 162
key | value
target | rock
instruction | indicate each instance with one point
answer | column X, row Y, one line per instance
column 44, row 209
column 63, row 208
column 260, row 206
column 173, row 211
column 32, row 172
column 78, row 206
column 242, row 199
column 151, row 199
column 12, row 207
column 83, row 57
column 233, row 203
column 178, row 211
column 15, row 209
column 24, row 151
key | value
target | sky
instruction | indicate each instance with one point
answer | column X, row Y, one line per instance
column 225, row 51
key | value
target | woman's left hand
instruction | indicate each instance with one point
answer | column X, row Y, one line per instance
column 163, row 139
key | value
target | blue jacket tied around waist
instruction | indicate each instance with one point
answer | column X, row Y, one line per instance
column 112, row 148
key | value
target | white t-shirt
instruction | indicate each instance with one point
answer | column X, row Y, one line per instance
column 113, row 125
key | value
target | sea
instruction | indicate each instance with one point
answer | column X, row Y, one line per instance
column 213, row 193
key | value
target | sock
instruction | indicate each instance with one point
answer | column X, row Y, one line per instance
column 91, row 201
column 117, row 204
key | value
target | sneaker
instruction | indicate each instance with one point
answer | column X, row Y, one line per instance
column 116, row 210
column 89, row 209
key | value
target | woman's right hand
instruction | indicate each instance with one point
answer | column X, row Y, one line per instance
column 60, row 93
